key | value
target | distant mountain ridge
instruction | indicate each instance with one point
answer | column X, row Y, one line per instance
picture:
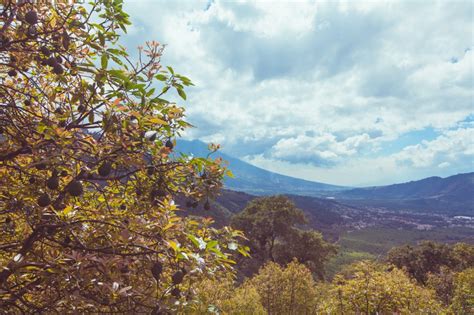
column 451, row 193
column 257, row 181
column 454, row 194
column 456, row 186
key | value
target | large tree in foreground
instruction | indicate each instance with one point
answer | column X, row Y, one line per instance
column 87, row 179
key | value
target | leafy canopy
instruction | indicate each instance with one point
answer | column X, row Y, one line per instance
column 370, row 288
column 88, row 220
column 429, row 257
column 272, row 227
column 363, row 288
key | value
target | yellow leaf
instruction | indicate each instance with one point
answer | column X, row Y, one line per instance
column 173, row 245
column 67, row 210
column 52, row 22
column 156, row 120
column 169, row 225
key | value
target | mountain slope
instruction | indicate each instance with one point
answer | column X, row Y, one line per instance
column 257, row 181
column 327, row 216
column 451, row 193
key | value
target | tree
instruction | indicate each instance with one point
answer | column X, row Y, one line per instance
column 271, row 226
column 463, row 297
column 370, row 288
column 308, row 247
column 421, row 260
column 222, row 296
column 289, row 290
column 87, row 178
column 266, row 219
column 443, row 284
column 429, row 257
column 463, row 256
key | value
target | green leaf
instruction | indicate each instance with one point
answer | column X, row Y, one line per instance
column 243, row 252
column 101, row 38
column 150, row 92
column 118, row 74
column 104, row 60
column 182, row 94
column 98, row 26
column 67, row 210
column 211, row 244
column 161, row 77
column 193, row 239
column 174, row 246
column 165, row 89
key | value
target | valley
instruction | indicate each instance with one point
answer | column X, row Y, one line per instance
column 365, row 223
column 334, row 218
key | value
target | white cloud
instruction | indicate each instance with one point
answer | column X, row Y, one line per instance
column 324, row 149
column 321, row 83
column 444, row 164
column 452, row 147
column 451, row 152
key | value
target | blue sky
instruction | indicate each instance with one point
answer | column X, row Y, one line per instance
column 343, row 92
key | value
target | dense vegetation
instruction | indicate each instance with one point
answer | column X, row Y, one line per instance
column 99, row 214
column 365, row 287
column 271, row 226
column 87, row 178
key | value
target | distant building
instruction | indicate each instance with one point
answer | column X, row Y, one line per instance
column 463, row 217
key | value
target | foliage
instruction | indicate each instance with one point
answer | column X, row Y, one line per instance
column 289, row 290
column 378, row 240
column 308, row 247
column 344, row 258
column 371, row 288
column 271, row 226
column 265, row 219
column 220, row 296
column 443, row 284
column 429, row 257
column 462, row 255
column 362, row 288
column 87, row 181
column 463, row 297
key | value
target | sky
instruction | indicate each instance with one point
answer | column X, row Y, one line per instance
column 343, row 92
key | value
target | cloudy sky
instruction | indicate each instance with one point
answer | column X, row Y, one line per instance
column 350, row 92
